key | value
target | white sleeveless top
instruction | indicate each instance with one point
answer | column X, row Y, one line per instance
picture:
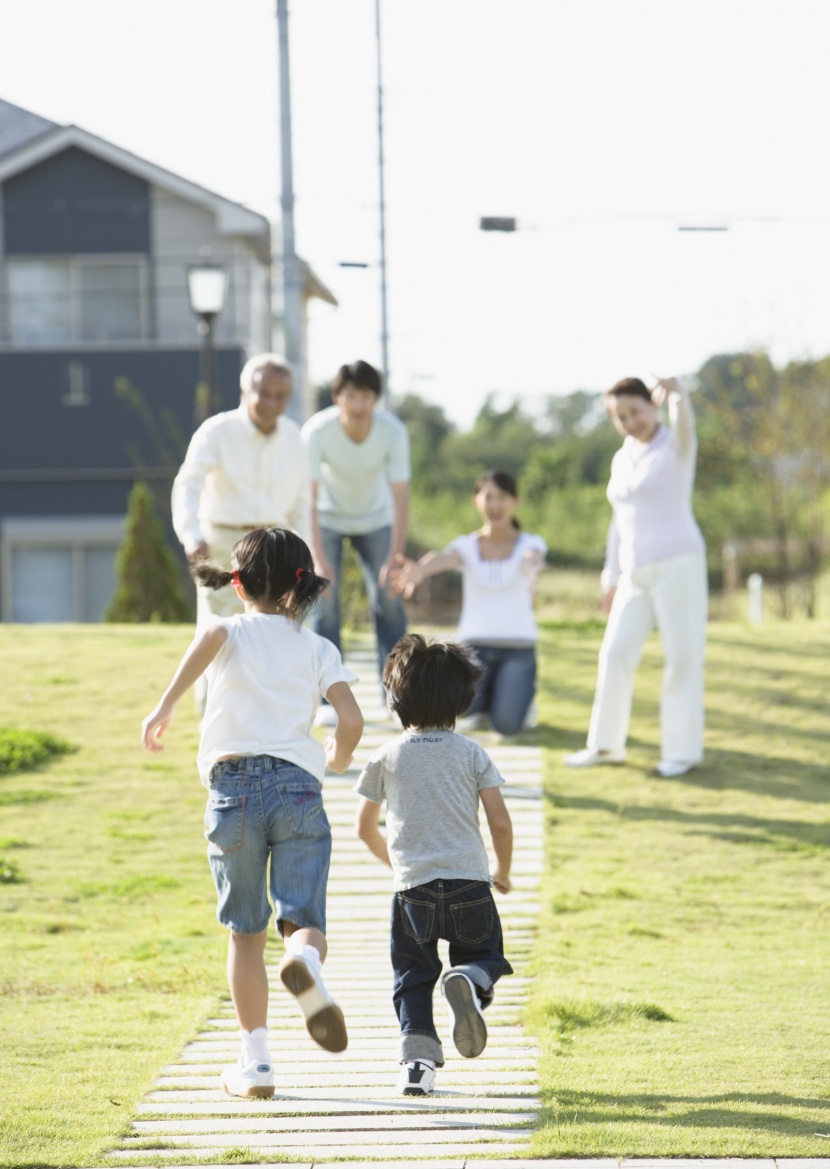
column 497, row 605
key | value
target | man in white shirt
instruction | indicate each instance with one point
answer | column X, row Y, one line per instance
column 244, row 468
column 358, row 457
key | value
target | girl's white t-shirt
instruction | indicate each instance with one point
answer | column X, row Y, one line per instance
column 264, row 687
column 497, row 604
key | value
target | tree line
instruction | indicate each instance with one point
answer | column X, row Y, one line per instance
column 762, row 492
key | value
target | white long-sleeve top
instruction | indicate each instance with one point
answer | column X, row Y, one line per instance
column 234, row 474
column 650, row 490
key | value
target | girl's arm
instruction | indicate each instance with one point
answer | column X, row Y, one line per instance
column 201, row 653
column 501, row 833
column 340, row 746
column 409, row 575
column 366, row 826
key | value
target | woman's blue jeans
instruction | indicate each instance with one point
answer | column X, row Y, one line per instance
column 371, row 548
column 464, row 914
column 507, row 688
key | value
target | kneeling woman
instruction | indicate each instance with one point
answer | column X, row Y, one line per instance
column 499, row 565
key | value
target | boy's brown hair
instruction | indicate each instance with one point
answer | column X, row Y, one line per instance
column 430, row 684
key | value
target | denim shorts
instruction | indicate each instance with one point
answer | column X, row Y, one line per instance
column 259, row 809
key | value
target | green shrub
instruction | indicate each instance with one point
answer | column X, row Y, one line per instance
column 9, row 872
column 26, row 750
column 150, row 585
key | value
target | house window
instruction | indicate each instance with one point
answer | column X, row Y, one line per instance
column 76, row 299
column 58, row 568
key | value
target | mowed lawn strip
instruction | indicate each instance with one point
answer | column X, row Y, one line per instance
column 681, row 981
column 111, row 956
column 682, row 970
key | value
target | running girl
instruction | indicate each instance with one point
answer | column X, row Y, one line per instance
column 266, row 674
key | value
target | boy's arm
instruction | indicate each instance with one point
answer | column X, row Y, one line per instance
column 201, row 653
column 366, row 825
column 501, row 832
column 340, row 746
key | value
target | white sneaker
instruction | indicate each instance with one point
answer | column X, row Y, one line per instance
column 253, row 1080
column 591, row 757
column 417, row 1078
column 469, row 1032
column 323, row 1018
column 326, row 716
column 531, row 718
column 669, row 769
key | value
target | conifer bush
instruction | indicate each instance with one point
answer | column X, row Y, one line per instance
column 150, row 586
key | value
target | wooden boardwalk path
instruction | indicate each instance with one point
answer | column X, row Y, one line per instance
column 346, row 1106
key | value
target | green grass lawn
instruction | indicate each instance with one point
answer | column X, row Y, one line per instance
column 681, row 985
column 110, row 953
column 682, row 978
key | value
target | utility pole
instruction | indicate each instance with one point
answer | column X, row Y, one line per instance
column 384, row 325
column 292, row 284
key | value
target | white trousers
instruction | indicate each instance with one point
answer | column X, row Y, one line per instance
column 671, row 596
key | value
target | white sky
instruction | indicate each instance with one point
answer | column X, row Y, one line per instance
column 599, row 124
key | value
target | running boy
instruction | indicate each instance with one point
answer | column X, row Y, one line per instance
column 432, row 780
column 263, row 771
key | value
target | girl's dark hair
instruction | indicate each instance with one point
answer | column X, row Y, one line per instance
column 504, row 481
column 273, row 565
column 430, row 684
column 359, row 374
column 629, row 387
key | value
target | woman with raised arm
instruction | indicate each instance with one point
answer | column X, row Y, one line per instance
column 654, row 577
column 499, row 565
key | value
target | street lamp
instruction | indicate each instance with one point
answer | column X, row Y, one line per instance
column 206, row 283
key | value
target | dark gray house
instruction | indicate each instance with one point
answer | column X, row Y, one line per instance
column 99, row 353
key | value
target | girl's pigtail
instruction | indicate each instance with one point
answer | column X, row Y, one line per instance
column 211, row 575
column 307, row 588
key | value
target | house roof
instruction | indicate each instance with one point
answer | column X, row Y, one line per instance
column 314, row 286
column 18, row 126
column 27, row 139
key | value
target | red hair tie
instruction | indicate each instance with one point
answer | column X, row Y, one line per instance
column 235, row 578
column 298, row 572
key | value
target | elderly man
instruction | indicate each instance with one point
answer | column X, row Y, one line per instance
column 244, row 469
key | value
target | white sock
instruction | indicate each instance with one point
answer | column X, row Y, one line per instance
column 255, row 1045
column 310, row 953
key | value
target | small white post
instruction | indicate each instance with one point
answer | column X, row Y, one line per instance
column 755, row 586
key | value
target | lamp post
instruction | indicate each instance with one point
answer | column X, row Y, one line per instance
column 206, row 284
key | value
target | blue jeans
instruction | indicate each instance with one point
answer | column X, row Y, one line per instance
column 507, row 688
column 464, row 914
column 371, row 548
column 263, row 809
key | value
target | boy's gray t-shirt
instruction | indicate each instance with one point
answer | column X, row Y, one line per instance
column 430, row 781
